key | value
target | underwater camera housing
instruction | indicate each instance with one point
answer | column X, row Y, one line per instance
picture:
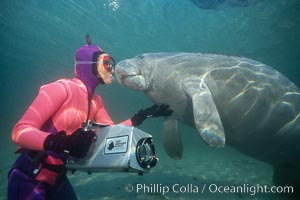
column 118, row 148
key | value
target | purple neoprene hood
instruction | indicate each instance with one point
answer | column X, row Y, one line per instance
column 84, row 57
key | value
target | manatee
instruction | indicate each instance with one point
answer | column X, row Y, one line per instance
column 251, row 106
column 229, row 100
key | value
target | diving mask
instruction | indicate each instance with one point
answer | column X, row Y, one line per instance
column 108, row 63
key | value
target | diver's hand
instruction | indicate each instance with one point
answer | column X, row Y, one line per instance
column 162, row 110
column 56, row 142
column 79, row 142
column 76, row 145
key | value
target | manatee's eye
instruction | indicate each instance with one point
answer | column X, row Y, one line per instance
column 140, row 56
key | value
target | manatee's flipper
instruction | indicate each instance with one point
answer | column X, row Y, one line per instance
column 172, row 139
column 206, row 116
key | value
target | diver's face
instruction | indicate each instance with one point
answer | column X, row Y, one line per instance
column 103, row 71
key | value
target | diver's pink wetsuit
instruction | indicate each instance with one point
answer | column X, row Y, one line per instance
column 59, row 106
column 67, row 102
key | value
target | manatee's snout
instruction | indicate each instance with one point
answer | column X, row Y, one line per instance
column 129, row 75
column 124, row 69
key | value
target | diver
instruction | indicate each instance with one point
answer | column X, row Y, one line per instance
column 51, row 128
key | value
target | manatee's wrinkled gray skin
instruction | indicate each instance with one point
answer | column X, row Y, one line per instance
column 242, row 102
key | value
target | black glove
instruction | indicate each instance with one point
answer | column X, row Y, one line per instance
column 56, row 142
column 162, row 110
column 76, row 145
column 79, row 142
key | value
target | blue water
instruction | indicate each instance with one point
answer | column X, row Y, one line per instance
column 38, row 40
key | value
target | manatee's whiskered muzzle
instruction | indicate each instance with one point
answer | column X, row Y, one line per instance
column 126, row 72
